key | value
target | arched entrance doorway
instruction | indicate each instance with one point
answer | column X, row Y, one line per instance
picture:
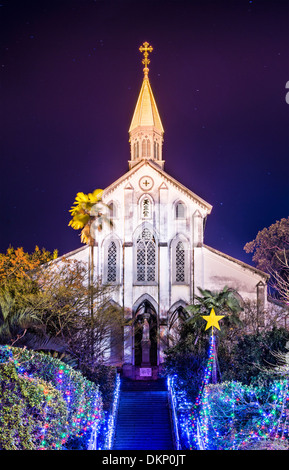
column 145, row 336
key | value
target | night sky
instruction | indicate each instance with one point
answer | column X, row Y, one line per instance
column 70, row 77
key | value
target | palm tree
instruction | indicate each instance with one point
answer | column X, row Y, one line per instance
column 225, row 302
column 89, row 214
column 22, row 326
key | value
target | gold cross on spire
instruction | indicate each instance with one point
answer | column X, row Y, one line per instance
column 146, row 48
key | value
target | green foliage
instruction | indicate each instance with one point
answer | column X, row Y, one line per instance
column 14, row 319
column 252, row 359
column 189, row 369
column 49, row 401
column 270, row 251
column 187, row 359
column 270, row 246
column 246, row 416
column 27, row 405
column 105, row 377
column 225, row 302
column 52, row 312
column 267, row 444
column 247, row 358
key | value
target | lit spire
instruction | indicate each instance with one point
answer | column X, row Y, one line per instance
column 146, row 48
column 146, row 129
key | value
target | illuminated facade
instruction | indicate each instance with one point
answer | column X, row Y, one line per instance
column 155, row 254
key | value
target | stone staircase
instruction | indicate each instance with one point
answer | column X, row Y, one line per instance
column 143, row 419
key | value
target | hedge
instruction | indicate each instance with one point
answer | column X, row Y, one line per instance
column 43, row 401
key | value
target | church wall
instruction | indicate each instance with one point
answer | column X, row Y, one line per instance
column 180, row 292
column 205, row 268
column 220, row 272
column 166, row 227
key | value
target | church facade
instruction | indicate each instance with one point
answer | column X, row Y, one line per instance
column 155, row 254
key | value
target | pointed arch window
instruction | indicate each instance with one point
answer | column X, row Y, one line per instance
column 146, row 257
column 156, row 150
column 111, row 262
column 136, row 149
column 180, row 210
column 146, row 148
column 180, row 261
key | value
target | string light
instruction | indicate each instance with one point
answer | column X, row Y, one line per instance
column 83, row 399
column 249, row 414
column 112, row 418
column 174, row 404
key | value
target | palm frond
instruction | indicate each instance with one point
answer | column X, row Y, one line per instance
column 79, row 220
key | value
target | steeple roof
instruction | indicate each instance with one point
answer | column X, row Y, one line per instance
column 146, row 130
column 146, row 111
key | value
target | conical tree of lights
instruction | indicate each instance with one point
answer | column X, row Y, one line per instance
column 200, row 428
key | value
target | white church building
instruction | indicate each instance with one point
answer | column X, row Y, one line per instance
column 155, row 254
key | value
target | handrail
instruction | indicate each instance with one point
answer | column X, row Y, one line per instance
column 92, row 444
column 112, row 419
column 173, row 409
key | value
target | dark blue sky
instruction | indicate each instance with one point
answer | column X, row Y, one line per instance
column 70, row 76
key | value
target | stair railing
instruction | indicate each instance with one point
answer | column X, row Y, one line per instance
column 112, row 418
column 95, row 430
column 173, row 413
column 111, row 422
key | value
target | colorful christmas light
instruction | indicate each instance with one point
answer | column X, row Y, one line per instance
column 249, row 415
column 112, row 418
column 82, row 398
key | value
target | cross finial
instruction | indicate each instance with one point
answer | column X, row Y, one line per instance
column 146, row 48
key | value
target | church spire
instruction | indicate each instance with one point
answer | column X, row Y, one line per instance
column 146, row 129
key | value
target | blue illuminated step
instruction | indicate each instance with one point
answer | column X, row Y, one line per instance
column 143, row 419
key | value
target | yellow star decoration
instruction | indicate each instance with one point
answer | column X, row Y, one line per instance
column 212, row 319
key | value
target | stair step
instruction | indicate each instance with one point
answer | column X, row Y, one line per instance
column 143, row 385
column 143, row 420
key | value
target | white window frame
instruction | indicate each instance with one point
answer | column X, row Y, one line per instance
column 106, row 246
column 174, row 244
column 135, row 245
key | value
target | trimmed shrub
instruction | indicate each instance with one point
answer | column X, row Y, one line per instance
column 43, row 401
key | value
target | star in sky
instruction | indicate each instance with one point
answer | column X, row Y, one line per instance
column 212, row 319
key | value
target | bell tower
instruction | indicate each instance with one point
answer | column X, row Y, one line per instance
column 146, row 130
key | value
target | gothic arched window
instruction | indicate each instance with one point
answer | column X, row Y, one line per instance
column 136, row 150
column 180, row 210
column 146, row 257
column 111, row 262
column 156, row 150
column 180, row 262
column 146, row 148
